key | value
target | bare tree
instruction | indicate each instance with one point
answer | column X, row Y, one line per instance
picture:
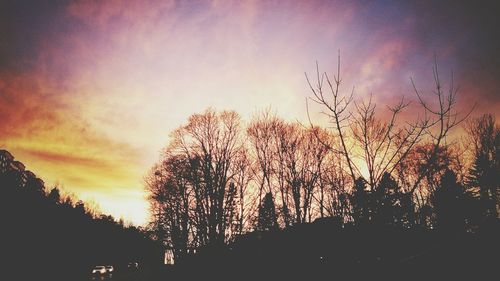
column 288, row 148
column 336, row 109
column 383, row 145
column 300, row 155
column 333, row 188
column 210, row 142
column 314, row 152
column 170, row 198
column 441, row 117
column 242, row 179
column 260, row 134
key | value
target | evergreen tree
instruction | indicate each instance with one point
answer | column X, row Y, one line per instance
column 448, row 199
column 386, row 207
column 55, row 195
column 267, row 214
column 360, row 201
column 484, row 176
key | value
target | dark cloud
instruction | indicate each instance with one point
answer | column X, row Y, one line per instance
column 26, row 26
column 471, row 30
column 464, row 36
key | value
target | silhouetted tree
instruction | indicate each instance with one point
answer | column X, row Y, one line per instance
column 267, row 214
column 360, row 200
column 484, row 175
column 55, row 195
column 195, row 189
column 242, row 178
column 442, row 117
column 37, row 224
column 261, row 132
column 423, row 159
column 369, row 173
column 386, row 200
column 448, row 200
column 383, row 145
column 169, row 193
column 334, row 188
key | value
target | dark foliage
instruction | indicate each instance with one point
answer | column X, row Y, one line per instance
column 425, row 218
column 267, row 214
column 45, row 236
column 326, row 249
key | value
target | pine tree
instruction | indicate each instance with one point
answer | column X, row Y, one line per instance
column 267, row 214
column 484, row 176
column 386, row 208
column 448, row 199
column 360, row 201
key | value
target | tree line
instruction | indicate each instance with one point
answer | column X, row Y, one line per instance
column 220, row 177
column 46, row 234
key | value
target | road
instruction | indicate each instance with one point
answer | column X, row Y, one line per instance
column 126, row 275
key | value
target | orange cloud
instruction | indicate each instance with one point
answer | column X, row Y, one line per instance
column 63, row 159
column 54, row 141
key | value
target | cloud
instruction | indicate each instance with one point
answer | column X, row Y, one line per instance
column 89, row 90
column 64, row 159
column 43, row 128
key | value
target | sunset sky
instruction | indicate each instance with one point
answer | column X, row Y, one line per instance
column 89, row 90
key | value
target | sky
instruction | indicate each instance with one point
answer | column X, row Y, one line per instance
column 90, row 90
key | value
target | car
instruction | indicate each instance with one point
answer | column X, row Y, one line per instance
column 109, row 269
column 133, row 265
column 99, row 270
